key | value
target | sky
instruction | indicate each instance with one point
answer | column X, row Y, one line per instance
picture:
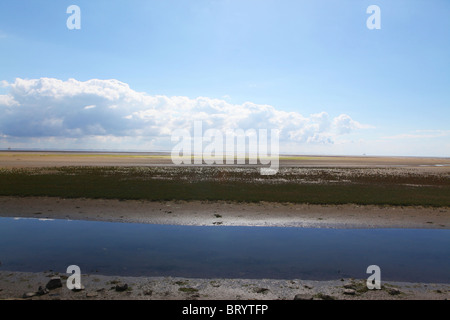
column 138, row 70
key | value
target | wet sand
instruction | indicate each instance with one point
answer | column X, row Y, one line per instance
column 221, row 213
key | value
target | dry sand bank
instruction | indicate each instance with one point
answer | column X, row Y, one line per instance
column 13, row 285
column 227, row 213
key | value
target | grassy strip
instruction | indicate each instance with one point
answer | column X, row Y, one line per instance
column 157, row 184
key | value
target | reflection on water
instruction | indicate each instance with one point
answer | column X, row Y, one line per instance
column 417, row 255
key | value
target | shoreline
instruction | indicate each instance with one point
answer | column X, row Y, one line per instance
column 14, row 286
column 226, row 213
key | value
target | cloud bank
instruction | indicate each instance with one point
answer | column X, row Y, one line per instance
column 110, row 111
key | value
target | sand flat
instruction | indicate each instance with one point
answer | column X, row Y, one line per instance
column 222, row 213
column 22, row 159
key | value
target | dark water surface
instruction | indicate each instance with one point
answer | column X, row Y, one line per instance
column 130, row 249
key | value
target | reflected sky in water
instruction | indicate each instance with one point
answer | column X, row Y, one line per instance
column 129, row 249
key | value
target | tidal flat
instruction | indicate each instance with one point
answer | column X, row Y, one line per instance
column 307, row 192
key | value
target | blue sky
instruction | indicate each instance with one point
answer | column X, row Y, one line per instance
column 302, row 58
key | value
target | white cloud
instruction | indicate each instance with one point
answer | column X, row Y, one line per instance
column 7, row 100
column 46, row 107
column 345, row 124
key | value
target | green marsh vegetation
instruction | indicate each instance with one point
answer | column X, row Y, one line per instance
column 365, row 186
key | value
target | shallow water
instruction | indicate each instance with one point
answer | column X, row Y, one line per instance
column 130, row 249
